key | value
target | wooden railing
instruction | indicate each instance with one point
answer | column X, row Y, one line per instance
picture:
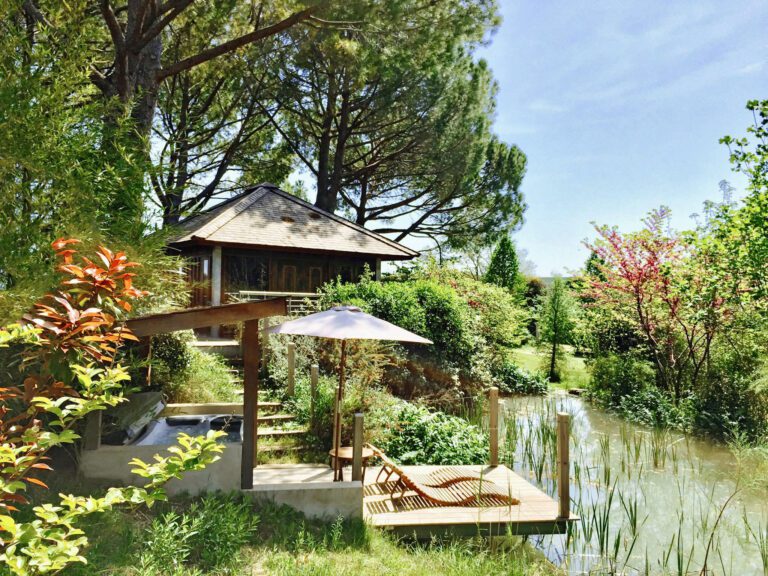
column 298, row 303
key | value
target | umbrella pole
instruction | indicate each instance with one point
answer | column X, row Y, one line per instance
column 337, row 423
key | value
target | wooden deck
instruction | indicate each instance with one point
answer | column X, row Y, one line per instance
column 537, row 513
column 412, row 516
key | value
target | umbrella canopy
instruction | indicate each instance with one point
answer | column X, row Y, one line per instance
column 347, row 323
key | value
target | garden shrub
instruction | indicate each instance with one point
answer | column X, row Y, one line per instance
column 511, row 379
column 209, row 379
column 470, row 323
column 374, row 402
column 205, row 538
column 446, row 320
column 300, row 405
column 172, row 351
column 184, row 373
column 421, row 436
column 167, row 545
column 727, row 405
column 225, row 523
column 615, row 376
column 653, row 407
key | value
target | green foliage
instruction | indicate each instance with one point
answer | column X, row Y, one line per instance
column 171, row 352
column 208, row 379
column 168, row 544
column 470, row 322
column 72, row 351
column 652, row 407
column 424, row 146
column 301, row 406
column 208, row 537
column 556, row 322
column 420, row 436
column 512, row 379
column 503, row 269
column 729, row 403
column 615, row 376
column 423, row 307
column 626, row 383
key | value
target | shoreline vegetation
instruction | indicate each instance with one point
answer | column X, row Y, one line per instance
column 121, row 121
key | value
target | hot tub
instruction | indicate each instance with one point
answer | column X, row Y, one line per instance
column 163, row 431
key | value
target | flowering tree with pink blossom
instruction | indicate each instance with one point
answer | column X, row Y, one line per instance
column 657, row 280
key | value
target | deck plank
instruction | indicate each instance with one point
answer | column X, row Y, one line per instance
column 536, row 513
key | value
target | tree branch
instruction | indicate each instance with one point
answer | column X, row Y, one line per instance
column 232, row 45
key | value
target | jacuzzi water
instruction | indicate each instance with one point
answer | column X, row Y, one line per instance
column 163, row 431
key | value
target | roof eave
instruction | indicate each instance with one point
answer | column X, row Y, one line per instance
column 199, row 241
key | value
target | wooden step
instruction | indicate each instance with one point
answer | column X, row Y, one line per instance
column 286, row 448
column 278, row 432
column 269, row 404
column 215, row 408
column 276, row 417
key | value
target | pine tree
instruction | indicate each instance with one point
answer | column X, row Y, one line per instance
column 556, row 321
column 504, row 267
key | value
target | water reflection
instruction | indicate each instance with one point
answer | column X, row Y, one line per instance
column 650, row 501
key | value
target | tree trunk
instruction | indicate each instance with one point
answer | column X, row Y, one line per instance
column 552, row 361
column 325, row 199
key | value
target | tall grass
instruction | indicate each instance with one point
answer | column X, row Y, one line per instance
column 649, row 501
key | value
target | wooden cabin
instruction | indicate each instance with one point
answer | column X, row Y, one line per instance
column 266, row 242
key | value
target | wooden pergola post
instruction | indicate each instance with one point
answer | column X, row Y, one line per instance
column 563, row 466
column 493, row 424
column 290, row 388
column 314, row 372
column 357, row 448
column 250, row 401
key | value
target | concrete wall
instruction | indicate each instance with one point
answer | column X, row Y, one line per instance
column 112, row 463
column 314, row 499
column 327, row 500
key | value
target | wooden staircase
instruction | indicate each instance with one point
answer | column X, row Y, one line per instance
column 277, row 429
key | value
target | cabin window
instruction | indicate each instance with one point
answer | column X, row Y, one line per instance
column 289, row 278
column 198, row 280
column 345, row 272
column 315, row 278
column 246, row 272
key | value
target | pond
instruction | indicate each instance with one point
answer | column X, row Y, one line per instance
column 650, row 501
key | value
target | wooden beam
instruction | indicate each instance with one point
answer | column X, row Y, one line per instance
column 563, row 466
column 250, row 401
column 493, row 427
column 92, row 433
column 204, row 317
column 197, row 409
column 314, row 373
column 357, row 448
column 290, row 388
column 265, row 342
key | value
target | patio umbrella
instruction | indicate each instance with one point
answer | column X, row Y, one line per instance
column 345, row 323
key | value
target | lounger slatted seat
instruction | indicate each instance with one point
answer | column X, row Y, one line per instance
column 445, row 486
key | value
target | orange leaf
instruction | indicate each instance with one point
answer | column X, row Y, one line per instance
column 62, row 242
column 38, row 482
column 72, row 269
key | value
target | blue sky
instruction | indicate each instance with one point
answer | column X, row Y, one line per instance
column 619, row 107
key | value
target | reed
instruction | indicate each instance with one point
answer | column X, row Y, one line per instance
column 646, row 502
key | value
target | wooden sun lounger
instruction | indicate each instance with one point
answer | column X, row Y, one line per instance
column 445, row 486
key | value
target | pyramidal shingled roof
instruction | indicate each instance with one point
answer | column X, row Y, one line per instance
column 265, row 216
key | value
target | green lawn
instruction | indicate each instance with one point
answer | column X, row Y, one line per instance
column 288, row 544
column 574, row 372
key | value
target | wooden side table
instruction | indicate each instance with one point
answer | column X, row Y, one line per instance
column 345, row 457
